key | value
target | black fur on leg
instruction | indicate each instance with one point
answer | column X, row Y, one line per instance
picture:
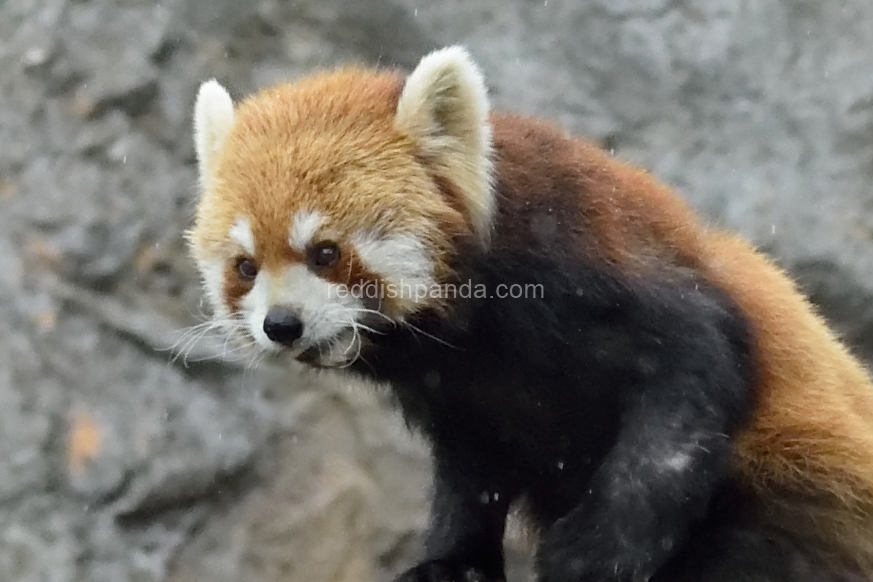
column 640, row 504
column 671, row 452
column 468, row 518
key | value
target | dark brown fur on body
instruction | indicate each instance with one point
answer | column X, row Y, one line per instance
column 564, row 192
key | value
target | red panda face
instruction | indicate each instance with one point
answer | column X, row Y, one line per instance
column 331, row 207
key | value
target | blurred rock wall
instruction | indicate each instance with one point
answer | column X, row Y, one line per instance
column 120, row 461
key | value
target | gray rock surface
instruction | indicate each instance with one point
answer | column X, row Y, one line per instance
column 120, row 461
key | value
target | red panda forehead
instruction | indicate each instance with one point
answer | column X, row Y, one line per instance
column 333, row 192
column 344, row 98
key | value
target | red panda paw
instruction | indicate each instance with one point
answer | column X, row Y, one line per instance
column 446, row 571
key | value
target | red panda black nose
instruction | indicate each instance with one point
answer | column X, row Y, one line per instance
column 283, row 326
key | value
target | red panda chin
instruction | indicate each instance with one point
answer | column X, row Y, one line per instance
column 339, row 351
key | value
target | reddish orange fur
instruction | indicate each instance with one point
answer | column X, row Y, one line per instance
column 812, row 436
column 624, row 218
column 235, row 287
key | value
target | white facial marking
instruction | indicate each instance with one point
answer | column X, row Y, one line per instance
column 304, row 228
column 327, row 310
column 212, row 273
column 255, row 305
column 401, row 260
column 241, row 233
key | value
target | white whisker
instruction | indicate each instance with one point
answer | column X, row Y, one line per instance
column 433, row 337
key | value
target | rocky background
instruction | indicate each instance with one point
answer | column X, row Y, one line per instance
column 120, row 461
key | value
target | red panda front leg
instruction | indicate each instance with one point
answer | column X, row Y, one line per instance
column 464, row 541
column 655, row 483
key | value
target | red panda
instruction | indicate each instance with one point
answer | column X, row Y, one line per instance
column 659, row 397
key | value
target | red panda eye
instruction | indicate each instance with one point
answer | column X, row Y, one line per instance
column 323, row 255
column 246, row 268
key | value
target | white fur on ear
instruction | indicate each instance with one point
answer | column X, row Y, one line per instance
column 444, row 107
column 213, row 118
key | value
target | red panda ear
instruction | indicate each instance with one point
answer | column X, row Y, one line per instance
column 444, row 108
column 213, row 118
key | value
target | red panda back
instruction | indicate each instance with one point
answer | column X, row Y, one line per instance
column 609, row 211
